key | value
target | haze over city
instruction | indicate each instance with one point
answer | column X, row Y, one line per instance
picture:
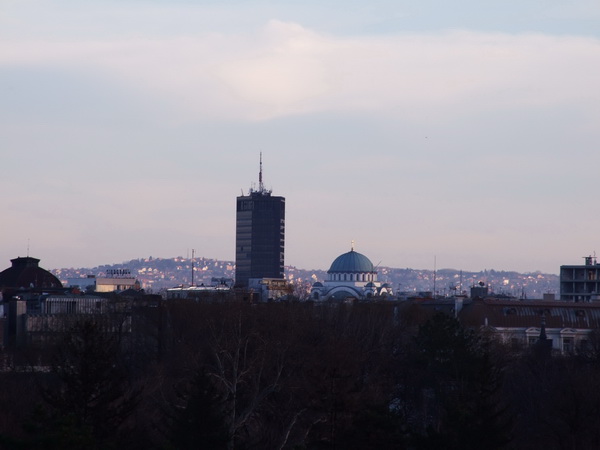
column 467, row 132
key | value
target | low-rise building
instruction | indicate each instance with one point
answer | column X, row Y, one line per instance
column 580, row 283
column 567, row 326
column 268, row 289
column 31, row 322
column 218, row 289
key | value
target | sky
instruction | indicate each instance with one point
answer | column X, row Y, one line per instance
column 463, row 134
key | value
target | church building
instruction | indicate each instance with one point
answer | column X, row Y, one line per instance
column 351, row 275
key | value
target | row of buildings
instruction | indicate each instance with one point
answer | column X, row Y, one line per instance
column 35, row 304
column 30, row 292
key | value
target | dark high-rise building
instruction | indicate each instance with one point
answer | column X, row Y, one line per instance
column 260, row 235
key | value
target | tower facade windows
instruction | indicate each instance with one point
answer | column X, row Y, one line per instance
column 260, row 235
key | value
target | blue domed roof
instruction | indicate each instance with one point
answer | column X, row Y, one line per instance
column 351, row 262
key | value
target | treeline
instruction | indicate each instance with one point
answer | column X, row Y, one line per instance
column 194, row 375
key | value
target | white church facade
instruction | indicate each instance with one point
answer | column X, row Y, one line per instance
column 351, row 275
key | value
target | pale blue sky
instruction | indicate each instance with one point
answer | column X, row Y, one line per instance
column 467, row 131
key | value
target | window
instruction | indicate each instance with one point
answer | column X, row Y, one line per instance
column 567, row 345
column 591, row 275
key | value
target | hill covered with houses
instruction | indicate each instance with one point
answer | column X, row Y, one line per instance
column 158, row 274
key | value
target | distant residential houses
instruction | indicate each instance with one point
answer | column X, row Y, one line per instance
column 158, row 274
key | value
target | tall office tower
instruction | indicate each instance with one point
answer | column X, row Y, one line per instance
column 260, row 235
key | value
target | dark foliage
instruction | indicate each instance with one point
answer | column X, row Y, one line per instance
column 86, row 395
column 196, row 417
column 456, row 386
column 297, row 376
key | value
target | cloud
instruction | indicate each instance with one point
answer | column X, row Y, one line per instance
column 285, row 69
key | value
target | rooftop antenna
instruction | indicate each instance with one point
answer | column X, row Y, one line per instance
column 193, row 267
column 434, row 273
column 261, row 187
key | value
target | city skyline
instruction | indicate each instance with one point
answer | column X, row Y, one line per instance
column 465, row 133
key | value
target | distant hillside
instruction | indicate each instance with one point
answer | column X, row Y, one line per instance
column 157, row 274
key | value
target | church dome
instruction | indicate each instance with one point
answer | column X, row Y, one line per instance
column 351, row 262
column 26, row 273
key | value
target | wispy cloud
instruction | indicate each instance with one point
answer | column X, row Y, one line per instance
column 285, row 69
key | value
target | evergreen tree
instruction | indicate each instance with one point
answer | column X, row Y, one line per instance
column 197, row 420
column 87, row 393
column 459, row 388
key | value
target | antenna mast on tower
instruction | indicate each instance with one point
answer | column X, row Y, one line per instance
column 261, row 187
